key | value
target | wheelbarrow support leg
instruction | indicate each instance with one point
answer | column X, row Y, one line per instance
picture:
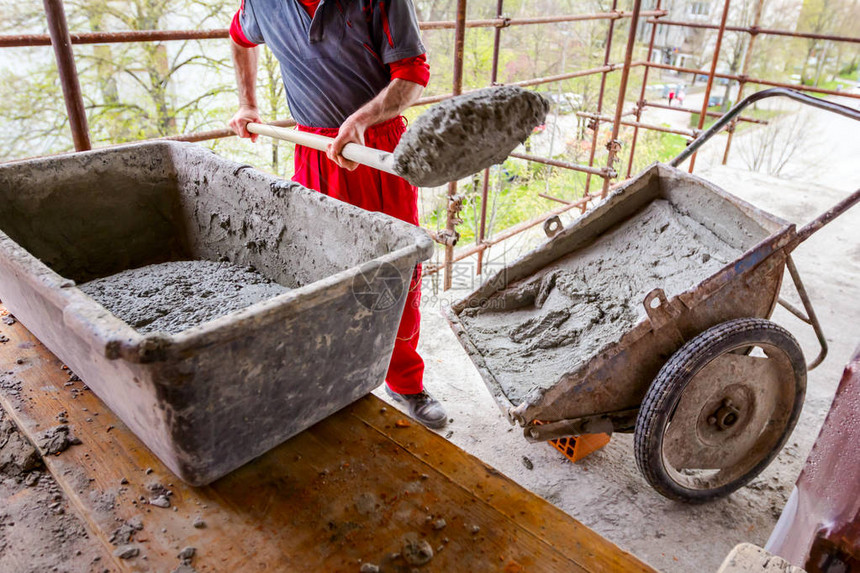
column 810, row 317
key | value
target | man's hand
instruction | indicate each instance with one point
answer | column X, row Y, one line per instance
column 352, row 131
column 240, row 120
column 397, row 96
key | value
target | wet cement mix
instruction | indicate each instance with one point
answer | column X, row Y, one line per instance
column 490, row 122
column 177, row 295
column 552, row 323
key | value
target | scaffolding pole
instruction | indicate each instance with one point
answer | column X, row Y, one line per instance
column 59, row 30
column 614, row 145
column 713, row 71
column 454, row 203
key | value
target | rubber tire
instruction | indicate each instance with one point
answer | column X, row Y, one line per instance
column 665, row 393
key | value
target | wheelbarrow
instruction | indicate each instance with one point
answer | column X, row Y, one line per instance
column 687, row 361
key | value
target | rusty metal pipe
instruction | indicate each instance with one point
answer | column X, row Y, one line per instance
column 599, row 171
column 594, row 136
column 811, row 318
column 721, row 123
column 485, row 187
column 453, row 207
column 27, row 40
column 758, row 81
column 745, row 68
column 556, row 199
column 614, row 145
column 710, row 83
column 508, row 22
column 806, row 231
column 710, row 113
column 640, row 105
column 605, row 119
column 756, row 30
column 59, row 29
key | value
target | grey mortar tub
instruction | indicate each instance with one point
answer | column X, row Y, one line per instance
column 215, row 396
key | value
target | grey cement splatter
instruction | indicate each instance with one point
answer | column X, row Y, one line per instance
column 463, row 135
column 553, row 322
column 177, row 295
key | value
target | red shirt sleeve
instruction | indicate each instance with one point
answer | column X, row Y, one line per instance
column 415, row 70
column 237, row 34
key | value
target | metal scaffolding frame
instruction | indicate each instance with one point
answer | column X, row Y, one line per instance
column 62, row 41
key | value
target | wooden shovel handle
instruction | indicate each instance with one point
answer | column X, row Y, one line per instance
column 378, row 159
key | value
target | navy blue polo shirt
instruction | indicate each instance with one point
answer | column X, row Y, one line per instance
column 337, row 61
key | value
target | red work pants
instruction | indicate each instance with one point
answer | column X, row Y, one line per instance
column 375, row 191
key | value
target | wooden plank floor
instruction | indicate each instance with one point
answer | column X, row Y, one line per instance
column 352, row 489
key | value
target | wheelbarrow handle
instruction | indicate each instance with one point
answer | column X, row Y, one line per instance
column 807, row 230
column 752, row 98
column 804, row 232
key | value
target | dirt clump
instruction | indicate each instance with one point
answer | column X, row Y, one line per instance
column 37, row 532
column 416, row 551
column 57, row 439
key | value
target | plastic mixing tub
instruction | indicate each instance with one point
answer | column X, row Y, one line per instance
column 212, row 397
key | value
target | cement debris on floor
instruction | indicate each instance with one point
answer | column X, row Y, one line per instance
column 749, row 558
column 364, row 489
column 39, row 531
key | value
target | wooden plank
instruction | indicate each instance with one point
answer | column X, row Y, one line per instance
column 352, row 489
column 36, row 538
column 581, row 544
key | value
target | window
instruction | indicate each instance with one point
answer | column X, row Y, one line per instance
column 700, row 8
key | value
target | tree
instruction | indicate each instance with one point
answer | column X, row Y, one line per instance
column 130, row 91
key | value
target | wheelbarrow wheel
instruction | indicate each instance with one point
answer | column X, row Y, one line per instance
column 714, row 418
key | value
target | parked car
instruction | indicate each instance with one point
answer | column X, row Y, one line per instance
column 716, row 100
column 719, row 81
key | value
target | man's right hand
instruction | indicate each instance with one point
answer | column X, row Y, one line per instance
column 241, row 119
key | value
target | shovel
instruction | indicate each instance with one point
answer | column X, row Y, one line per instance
column 453, row 139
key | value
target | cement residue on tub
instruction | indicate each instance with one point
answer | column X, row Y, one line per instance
column 174, row 296
column 550, row 324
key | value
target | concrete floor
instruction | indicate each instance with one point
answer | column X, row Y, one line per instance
column 605, row 490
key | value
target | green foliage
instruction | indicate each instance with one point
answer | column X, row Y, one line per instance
column 512, row 198
column 145, row 90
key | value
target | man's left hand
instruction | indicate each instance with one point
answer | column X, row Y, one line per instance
column 352, row 131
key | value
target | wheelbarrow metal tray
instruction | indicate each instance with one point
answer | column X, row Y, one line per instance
column 610, row 382
column 212, row 397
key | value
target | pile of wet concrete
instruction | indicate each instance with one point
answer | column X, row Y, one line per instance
column 557, row 320
column 177, row 295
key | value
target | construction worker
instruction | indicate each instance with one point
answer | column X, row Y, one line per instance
column 350, row 67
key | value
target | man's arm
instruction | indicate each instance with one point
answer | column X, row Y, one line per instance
column 397, row 96
column 245, row 63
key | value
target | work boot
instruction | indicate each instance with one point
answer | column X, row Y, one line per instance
column 422, row 407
